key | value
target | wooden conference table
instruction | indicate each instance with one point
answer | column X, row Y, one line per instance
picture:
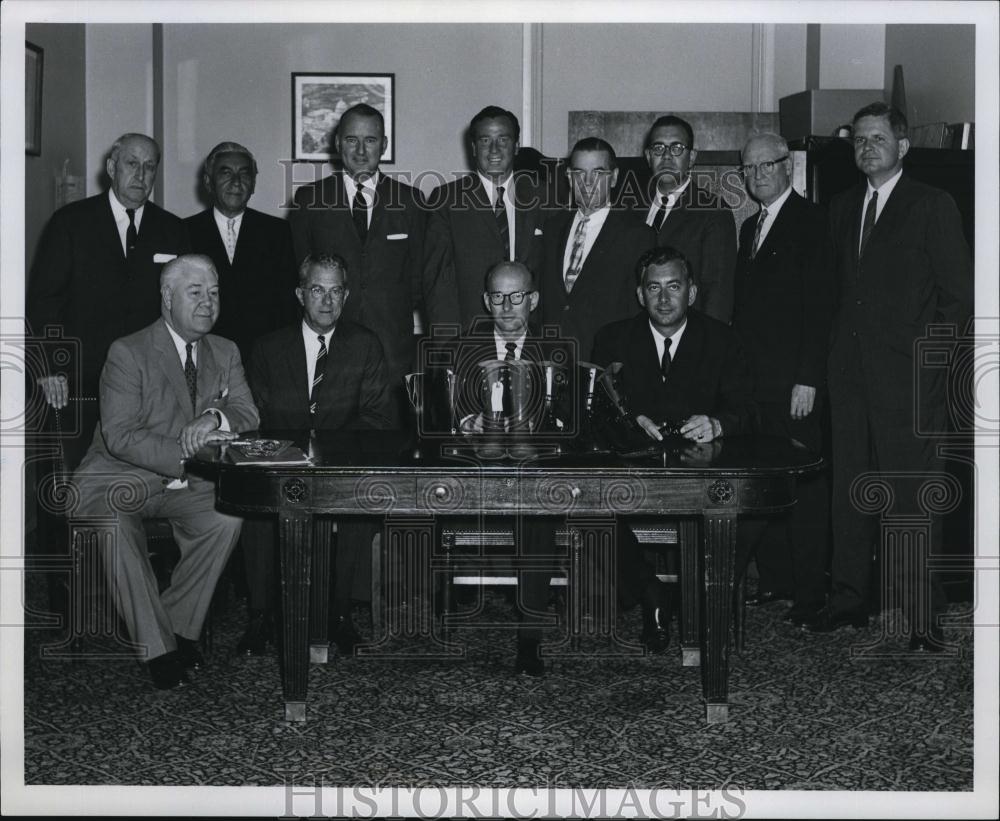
column 376, row 474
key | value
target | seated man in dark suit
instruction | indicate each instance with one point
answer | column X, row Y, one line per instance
column 492, row 404
column 324, row 373
column 166, row 391
column 252, row 251
column 680, row 371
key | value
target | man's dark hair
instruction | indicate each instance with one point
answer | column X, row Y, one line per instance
column 331, row 261
column 509, row 263
column 595, row 144
column 494, row 112
column 660, row 255
column 362, row 110
column 897, row 119
column 668, row 120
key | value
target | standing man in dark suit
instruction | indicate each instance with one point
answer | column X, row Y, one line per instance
column 377, row 225
column 588, row 278
column 784, row 305
column 689, row 218
column 680, row 370
column 96, row 276
column 166, row 390
column 324, row 373
column 252, row 251
column 484, row 218
column 903, row 264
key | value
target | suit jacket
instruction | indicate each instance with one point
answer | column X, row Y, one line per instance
column 145, row 403
column 605, row 290
column 82, row 282
column 915, row 270
column 463, row 240
column 257, row 289
column 702, row 228
column 785, row 300
column 708, row 374
column 353, row 395
column 386, row 275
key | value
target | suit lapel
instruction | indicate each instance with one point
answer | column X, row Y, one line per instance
column 523, row 230
column 295, row 362
column 683, row 360
column 171, row 366
column 486, row 209
column 855, row 217
column 782, row 225
column 207, row 376
column 219, row 244
column 893, row 212
column 382, row 196
column 109, row 227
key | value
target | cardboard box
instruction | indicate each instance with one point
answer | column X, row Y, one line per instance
column 820, row 111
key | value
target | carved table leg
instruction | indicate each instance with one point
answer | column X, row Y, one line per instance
column 295, row 544
column 690, row 594
column 319, row 591
column 720, row 554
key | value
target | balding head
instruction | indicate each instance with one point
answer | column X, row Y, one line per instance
column 767, row 167
column 189, row 296
column 506, row 282
column 132, row 166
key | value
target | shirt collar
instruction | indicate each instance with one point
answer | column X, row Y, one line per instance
column 119, row 210
column 501, row 344
column 885, row 189
column 488, row 185
column 675, row 337
column 222, row 219
column 309, row 335
column 181, row 345
column 596, row 219
column 775, row 207
column 369, row 184
column 674, row 195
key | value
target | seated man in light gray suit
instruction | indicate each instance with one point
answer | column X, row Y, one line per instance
column 165, row 391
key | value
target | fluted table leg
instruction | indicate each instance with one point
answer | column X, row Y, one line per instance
column 296, row 560
column 720, row 555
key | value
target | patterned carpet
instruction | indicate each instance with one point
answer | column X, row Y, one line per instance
column 805, row 714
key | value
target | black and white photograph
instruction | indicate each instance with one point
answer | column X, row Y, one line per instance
column 552, row 410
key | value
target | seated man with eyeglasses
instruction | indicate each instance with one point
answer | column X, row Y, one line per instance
column 324, row 373
column 688, row 217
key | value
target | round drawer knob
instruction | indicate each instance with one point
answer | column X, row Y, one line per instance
column 575, row 493
column 440, row 491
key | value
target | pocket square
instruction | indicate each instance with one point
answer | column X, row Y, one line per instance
column 397, row 236
column 223, row 393
column 538, row 232
column 164, row 257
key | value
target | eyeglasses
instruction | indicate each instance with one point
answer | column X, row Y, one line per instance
column 497, row 297
column 763, row 167
column 675, row 149
column 318, row 292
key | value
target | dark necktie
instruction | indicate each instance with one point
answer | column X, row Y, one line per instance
column 756, row 234
column 869, row 225
column 665, row 360
column 661, row 214
column 191, row 376
column 318, row 373
column 500, row 212
column 359, row 213
column 131, row 235
column 576, row 254
column 508, row 404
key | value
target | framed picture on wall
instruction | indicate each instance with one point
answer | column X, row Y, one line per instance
column 319, row 100
column 32, row 99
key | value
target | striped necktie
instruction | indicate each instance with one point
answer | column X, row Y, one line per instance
column 500, row 212
column 231, row 238
column 576, row 255
column 318, row 374
column 869, row 225
column 756, row 234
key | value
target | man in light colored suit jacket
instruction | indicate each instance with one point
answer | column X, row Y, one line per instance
column 166, row 391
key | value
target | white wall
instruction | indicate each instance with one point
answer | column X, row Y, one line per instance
column 789, row 60
column 939, row 71
column 852, row 56
column 641, row 67
column 233, row 82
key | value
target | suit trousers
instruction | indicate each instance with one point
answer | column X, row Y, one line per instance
column 205, row 538
column 879, row 440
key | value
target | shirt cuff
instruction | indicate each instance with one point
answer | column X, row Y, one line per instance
column 220, row 417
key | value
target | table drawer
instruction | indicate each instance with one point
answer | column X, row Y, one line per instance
column 375, row 493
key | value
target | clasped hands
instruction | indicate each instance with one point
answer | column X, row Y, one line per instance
column 200, row 431
column 699, row 428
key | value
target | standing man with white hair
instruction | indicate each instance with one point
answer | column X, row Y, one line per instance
column 166, row 391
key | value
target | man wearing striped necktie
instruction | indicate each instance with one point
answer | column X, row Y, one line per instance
column 325, row 373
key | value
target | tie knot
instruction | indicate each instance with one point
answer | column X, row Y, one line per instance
column 666, row 343
column 763, row 213
column 131, row 214
column 231, row 222
column 511, row 348
column 322, row 340
column 187, row 347
column 500, row 190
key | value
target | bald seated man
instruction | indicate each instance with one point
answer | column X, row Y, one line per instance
column 166, row 391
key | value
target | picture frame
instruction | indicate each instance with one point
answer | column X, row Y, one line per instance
column 33, row 73
column 319, row 99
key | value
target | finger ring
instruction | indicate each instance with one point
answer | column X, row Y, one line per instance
column 701, row 436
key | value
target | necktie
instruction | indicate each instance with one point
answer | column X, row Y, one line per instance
column 869, row 225
column 359, row 213
column 318, row 374
column 131, row 235
column 661, row 214
column 576, row 255
column 756, row 234
column 511, row 351
column 665, row 360
column 191, row 376
column 500, row 212
column 231, row 238
column 508, row 403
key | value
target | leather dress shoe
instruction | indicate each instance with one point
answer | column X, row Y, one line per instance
column 932, row 642
column 528, row 661
column 345, row 636
column 189, row 654
column 167, row 672
column 655, row 629
column 260, row 630
column 801, row 614
column 828, row 620
column 768, row 596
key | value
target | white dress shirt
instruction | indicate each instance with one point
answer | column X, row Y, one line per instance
column 368, row 192
column 121, row 218
column 772, row 214
column 660, row 340
column 508, row 202
column 884, row 192
column 501, row 344
column 222, row 222
column 594, row 226
column 672, row 198
column 311, row 339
